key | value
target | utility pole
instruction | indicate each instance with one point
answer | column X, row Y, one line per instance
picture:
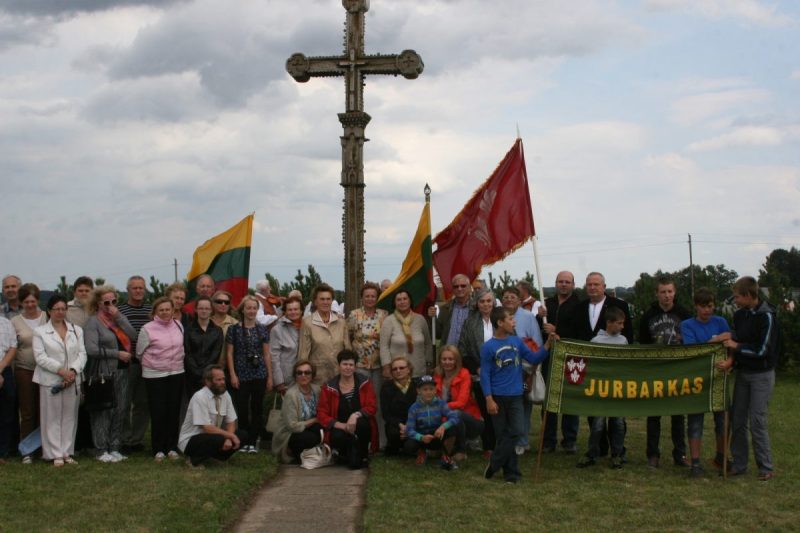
column 175, row 264
column 691, row 264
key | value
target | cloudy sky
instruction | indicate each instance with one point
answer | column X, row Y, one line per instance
column 133, row 130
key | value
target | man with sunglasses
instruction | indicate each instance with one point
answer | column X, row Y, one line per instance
column 137, row 415
column 453, row 314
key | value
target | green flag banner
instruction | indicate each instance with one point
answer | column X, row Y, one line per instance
column 639, row 380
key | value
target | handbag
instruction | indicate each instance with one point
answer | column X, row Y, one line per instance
column 99, row 390
column 538, row 387
column 318, row 456
column 274, row 418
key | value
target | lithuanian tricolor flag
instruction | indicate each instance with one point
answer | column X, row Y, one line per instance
column 226, row 258
column 416, row 275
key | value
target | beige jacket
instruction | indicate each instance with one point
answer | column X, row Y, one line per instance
column 25, row 358
column 320, row 344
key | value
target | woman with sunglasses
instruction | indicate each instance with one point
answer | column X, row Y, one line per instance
column 109, row 338
column 221, row 305
column 299, row 428
column 161, row 349
column 396, row 398
column 60, row 357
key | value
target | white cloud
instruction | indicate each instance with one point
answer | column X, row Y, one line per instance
column 751, row 11
column 696, row 108
column 745, row 136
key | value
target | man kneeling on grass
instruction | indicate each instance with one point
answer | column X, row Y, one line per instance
column 431, row 425
column 209, row 429
column 501, row 381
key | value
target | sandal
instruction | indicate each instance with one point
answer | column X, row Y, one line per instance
column 58, row 462
column 70, row 461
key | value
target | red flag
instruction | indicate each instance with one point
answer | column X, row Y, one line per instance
column 496, row 221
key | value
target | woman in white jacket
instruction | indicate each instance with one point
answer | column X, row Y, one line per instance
column 60, row 357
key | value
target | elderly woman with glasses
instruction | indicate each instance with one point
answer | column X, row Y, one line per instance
column 109, row 338
column 299, row 428
column 60, row 357
column 396, row 397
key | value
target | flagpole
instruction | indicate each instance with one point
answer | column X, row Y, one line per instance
column 427, row 191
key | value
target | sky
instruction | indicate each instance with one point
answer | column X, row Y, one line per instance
column 133, row 130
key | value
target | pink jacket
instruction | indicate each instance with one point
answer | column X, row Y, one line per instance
column 160, row 346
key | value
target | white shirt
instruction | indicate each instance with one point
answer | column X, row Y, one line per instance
column 488, row 330
column 594, row 312
column 202, row 411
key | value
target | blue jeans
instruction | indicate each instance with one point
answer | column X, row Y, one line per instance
column 508, row 426
column 695, row 424
column 751, row 395
column 616, row 436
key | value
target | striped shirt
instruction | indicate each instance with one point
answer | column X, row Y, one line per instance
column 137, row 316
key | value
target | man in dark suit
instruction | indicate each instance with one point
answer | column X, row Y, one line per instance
column 588, row 317
column 561, row 304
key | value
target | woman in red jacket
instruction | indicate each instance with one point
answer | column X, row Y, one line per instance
column 454, row 385
column 346, row 410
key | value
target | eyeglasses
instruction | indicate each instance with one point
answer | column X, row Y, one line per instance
column 222, row 302
column 109, row 303
column 303, row 373
column 395, row 369
column 462, row 286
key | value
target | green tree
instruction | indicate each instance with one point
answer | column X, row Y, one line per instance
column 782, row 267
column 157, row 289
column 64, row 288
column 304, row 283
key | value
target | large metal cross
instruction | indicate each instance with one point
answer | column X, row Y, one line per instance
column 354, row 65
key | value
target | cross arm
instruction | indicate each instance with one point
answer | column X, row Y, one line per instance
column 303, row 68
column 407, row 64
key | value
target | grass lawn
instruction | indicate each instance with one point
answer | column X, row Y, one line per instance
column 403, row 496
column 136, row 495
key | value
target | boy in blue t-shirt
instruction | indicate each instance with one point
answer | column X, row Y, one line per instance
column 501, row 381
column 703, row 328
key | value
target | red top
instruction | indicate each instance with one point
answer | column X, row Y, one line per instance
column 328, row 406
column 460, row 393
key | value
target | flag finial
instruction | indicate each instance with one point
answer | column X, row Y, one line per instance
column 427, row 191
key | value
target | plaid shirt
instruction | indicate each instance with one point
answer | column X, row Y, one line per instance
column 8, row 336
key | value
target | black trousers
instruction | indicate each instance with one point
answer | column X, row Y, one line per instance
column 308, row 438
column 249, row 404
column 488, row 438
column 164, row 400
column 678, row 433
column 353, row 447
column 205, row 446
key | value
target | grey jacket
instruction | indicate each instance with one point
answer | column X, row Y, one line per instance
column 102, row 346
column 283, row 341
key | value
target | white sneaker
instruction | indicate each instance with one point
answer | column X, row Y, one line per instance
column 519, row 450
column 173, row 455
column 252, row 449
column 27, row 460
column 106, row 458
column 160, row 457
column 117, row 456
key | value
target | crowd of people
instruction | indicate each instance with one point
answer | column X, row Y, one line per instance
column 97, row 373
